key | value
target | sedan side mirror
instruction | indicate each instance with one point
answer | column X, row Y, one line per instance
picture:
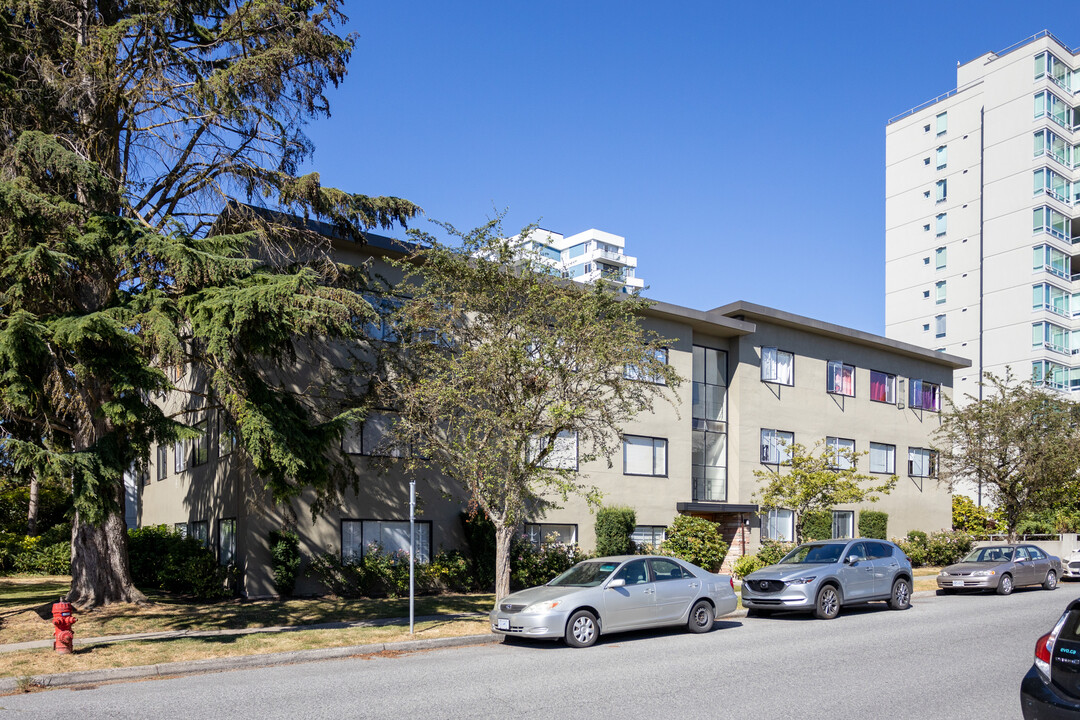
column 616, row 583
column 851, row 559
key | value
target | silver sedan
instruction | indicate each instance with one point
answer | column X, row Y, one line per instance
column 612, row 594
column 1001, row 568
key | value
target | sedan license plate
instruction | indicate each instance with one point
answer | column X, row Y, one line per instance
column 958, row 583
column 504, row 624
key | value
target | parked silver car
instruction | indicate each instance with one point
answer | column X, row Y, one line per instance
column 1070, row 566
column 611, row 594
column 824, row 576
column 1001, row 568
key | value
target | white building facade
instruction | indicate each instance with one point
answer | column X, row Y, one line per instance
column 982, row 211
column 585, row 257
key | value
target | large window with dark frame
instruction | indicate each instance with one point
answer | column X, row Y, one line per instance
column 777, row 366
column 201, row 445
column 776, row 446
column 779, row 524
column 162, row 461
column 841, row 451
column 925, row 395
column 635, row 371
column 360, row 537
column 882, row 458
column 922, row 462
column 539, row 534
column 644, row 455
column 227, row 541
column 708, row 440
column 882, row 387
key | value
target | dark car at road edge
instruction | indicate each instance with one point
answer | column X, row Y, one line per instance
column 1051, row 688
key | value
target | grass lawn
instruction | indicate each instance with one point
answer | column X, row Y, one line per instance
column 25, row 615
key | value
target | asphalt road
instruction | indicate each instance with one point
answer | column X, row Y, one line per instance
column 947, row 657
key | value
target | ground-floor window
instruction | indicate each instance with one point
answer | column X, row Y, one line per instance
column 651, row 535
column 359, row 537
column 201, row 532
column 540, row 533
column 843, row 523
column 227, row 541
column 779, row 525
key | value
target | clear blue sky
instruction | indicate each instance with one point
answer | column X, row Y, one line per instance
column 739, row 147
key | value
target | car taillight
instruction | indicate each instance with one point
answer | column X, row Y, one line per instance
column 1043, row 649
column 732, row 581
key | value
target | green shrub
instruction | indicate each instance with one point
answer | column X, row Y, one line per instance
column 163, row 559
column 54, row 504
column 746, row 565
column 285, row 559
column 817, row 525
column 38, row 555
column 530, row 566
column 449, row 571
column 873, row 524
column 614, row 525
column 971, row 518
column 480, row 539
column 773, row 551
column 380, row 574
column 939, row 548
column 697, row 541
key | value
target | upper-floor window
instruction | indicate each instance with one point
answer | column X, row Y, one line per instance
column 882, row 387
column 941, row 224
column 941, row 190
column 925, row 395
column 941, row 256
column 644, row 455
column 1045, row 373
column 1050, row 336
column 563, row 454
column 380, row 327
column 841, row 451
column 201, row 445
column 1047, row 65
column 1055, row 185
column 710, row 385
column 939, row 292
column 942, row 123
column 180, row 456
column 939, row 326
column 882, row 458
column 841, row 379
column 1053, row 145
column 942, row 156
column 922, row 462
column 777, row 366
column 162, row 461
column 776, row 446
column 1047, row 104
column 1045, row 296
column 635, row 371
column 1052, row 260
column 375, row 436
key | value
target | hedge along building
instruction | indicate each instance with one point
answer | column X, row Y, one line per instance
column 758, row 379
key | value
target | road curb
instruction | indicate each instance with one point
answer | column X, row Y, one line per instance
column 194, row 667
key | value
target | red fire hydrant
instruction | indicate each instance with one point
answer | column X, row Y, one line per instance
column 62, row 621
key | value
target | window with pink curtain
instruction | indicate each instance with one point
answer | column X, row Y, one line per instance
column 841, row 378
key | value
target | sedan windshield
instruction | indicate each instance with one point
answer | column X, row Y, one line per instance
column 813, row 554
column 990, row 555
column 587, row 574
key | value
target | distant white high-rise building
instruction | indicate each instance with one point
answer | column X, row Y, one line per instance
column 982, row 218
column 585, row 257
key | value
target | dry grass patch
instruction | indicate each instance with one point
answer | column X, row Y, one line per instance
column 128, row 654
column 25, row 601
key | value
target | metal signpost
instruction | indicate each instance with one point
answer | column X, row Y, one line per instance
column 412, row 550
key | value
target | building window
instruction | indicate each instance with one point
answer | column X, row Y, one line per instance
column 226, row 436
column 841, row 452
column 779, row 525
column 375, row 437
column 776, row 447
column 548, row 534
column 380, row 327
column 1050, row 221
column 180, row 456
column 941, row 191
column 359, row 537
column 926, row 293
column 940, row 258
column 708, row 438
column 882, row 458
column 942, row 157
column 201, row 444
column 1045, row 296
column 925, row 395
column 563, row 454
column 777, row 366
column 939, row 326
column 939, row 292
column 710, row 385
column 227, row 541
column 1049, row 374
column 1050, row 336
column 1051, row 260
column 841, row 379
column 922, row 462
column 181, row 529
column 942, row 123
column 882, row 387
column 644, row 456
column 634, row 371
column 843, row 523
column 1051, row 183
column 941, row 224
column 648, row 536
column 162, row 461
column 200, row 531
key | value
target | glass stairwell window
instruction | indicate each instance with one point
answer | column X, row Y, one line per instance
column 708, row 451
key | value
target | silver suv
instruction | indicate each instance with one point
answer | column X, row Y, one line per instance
column 823, row 576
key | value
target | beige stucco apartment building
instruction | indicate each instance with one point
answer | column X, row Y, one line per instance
column 980, row 214
column 757, row 379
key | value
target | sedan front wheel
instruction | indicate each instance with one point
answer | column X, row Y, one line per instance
column 581, row 629
column 1005, row 584
column 1051, row 581
column 701, row 617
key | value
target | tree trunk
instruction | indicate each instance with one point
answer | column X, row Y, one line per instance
column 32, row 512
column 100, row 573
column 503, row 536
